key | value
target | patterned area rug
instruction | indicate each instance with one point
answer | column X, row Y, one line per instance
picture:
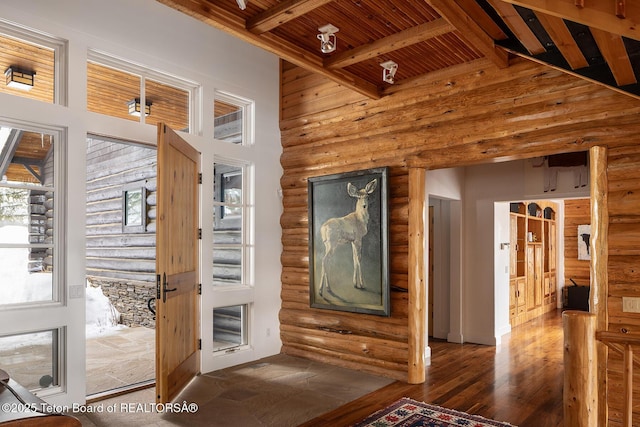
column 411, row 413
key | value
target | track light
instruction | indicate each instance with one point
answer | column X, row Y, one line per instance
column 389, row 71
column 242, row 4
column 19, row 79
column 327, row 38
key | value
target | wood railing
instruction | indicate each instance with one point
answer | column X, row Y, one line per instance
column 623, row 344
column 580, row 369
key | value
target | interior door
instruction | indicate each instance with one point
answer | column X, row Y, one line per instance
column 177, row 253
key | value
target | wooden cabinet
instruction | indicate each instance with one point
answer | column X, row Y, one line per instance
column 532, row 260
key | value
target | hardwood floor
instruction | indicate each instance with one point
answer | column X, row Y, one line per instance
column 520, row 382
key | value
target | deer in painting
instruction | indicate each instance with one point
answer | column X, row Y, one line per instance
column 350, row 228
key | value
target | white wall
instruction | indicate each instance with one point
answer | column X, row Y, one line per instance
column 486, row 219
column 444, row 189
column 155, row 36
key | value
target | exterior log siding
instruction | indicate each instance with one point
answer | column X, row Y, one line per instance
column 476, row 114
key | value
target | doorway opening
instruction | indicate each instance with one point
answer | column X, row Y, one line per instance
column 120, row 266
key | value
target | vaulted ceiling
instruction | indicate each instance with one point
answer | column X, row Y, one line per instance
column 592, row 39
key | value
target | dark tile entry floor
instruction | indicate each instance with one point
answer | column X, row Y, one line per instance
column 279, row 391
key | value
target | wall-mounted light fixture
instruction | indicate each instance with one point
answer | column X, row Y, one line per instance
column 327, row 38
column 19, row 79
column 135, row 107
column 242, row 4
column 389, row 71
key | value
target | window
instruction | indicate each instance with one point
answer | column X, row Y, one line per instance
column 127, row 91
column 134, row 208
column 38, row 55
column 28, row 216
column 32, row 359
column 233, row 119
column 230, row 240
column 229, row 328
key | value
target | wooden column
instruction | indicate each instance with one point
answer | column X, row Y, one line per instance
column 416, row 286
column 580, row 378
column 599, row 264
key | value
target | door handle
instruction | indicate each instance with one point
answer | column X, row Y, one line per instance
column 164, row 287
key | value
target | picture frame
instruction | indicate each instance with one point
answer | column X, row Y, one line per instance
column 584, row 242
column 348, row 242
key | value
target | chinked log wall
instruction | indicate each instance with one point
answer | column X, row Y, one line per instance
column 474, row 115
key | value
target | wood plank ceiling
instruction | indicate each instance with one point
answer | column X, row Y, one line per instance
column 592, row 39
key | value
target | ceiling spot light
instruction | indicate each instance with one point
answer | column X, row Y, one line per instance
column 242, row 4
column 327, row 38
column 134, row 107
column 19, row 79
column 389, row 71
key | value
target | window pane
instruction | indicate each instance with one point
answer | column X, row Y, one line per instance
column 228, row 122
column 227, row 266
column 133, row 207
column 168, row 104
column 32, row 58
column 109, row 91
column 228, row 220
column 26, row 217
column 229, row 327
column 27, row 273
column 31, row 359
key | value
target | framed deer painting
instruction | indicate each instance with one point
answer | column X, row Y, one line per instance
column 348, row 242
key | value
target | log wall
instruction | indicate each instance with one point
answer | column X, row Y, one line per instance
column 576, row 212
column 470, row 115
column 623, row 174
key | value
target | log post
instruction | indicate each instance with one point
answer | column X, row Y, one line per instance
column 416, row 286
column 599, row 282
column 580, row 361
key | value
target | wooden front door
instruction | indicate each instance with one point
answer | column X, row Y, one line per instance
column 177, row 252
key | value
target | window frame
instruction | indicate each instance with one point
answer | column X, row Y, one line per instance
column 246, row 220
column 135, row 228
column 247, row 107
column 146, row 73
column 59, row 46
column 59, row 137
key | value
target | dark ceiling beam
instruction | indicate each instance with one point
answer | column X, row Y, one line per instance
column 396, row 41
column 223, row 20
column 573, row 73
column 596, row 14
column 282, row 13
column 471, row 31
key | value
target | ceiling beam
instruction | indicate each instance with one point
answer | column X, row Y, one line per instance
column 482, row 18
column 564, row 41
column 597, row 14
column 612, row 48
column 471, row 31
column 225, row 21
column 396, row 41
column 516, row 24
column 282, row 13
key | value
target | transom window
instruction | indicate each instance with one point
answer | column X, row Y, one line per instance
column 31, row 64
column 120, row 89
column 233, row 119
